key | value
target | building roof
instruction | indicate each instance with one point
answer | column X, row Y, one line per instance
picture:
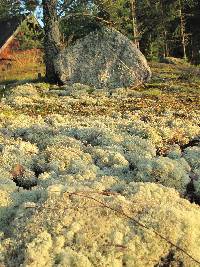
column 8, row 28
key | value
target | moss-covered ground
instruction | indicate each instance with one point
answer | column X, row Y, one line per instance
column 98, row 177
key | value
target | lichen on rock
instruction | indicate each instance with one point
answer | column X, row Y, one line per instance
column 104, row 58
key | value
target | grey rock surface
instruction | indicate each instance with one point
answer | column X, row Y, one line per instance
column 104, row 58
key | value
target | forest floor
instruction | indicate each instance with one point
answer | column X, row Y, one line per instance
column 176, row 86
column 95, row 178
column 173, row 88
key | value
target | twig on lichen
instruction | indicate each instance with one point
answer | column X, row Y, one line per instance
column 80, row 194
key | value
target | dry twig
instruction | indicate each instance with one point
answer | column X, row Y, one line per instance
column 80, row 194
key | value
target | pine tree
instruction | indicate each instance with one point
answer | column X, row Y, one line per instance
column 52, row 39
column 9, row 8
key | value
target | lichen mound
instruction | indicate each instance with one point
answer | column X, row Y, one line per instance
column 73, row 186
column 86, row 229
column 104, row 58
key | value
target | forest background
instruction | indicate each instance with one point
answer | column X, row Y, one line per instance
column 160, row 28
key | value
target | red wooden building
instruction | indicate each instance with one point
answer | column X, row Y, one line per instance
column 10, row 31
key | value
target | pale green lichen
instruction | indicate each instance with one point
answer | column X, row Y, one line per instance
column 38, row 251
column 169, row 172
column 78, row 230
column 105, row 157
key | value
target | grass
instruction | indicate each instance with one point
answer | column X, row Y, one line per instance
column 167, row 78
column 25, row 66
column 175, row 78
column 16, row 74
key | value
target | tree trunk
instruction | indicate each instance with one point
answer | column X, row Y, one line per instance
column 182, row 28
column 52, row 40
column 135, row 30
column 165, row 52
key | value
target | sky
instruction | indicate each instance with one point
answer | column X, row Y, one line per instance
column 39, row 15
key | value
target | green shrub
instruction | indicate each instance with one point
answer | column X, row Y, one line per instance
column 191, row 74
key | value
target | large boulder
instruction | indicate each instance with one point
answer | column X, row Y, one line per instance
column 103, row 58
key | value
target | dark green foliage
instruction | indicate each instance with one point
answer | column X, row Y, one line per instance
column 192, row 26
column 191, row 74
column 76, row 26
column 30, row 5
column 9, row 8
column 30, row 34
column 163, row 27
column 80, row 18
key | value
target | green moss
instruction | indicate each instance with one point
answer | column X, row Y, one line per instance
column 152, row 92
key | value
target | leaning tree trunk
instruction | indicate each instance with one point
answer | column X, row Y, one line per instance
column 52, row 40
